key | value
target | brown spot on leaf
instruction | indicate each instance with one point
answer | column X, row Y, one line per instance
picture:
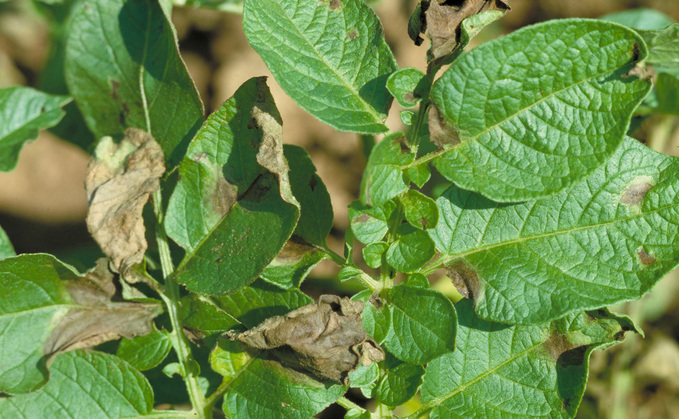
column 294, row 250
column 335, row 4
column 352, row 35
column 222, row 197
column 325, row 339
column 440, row 132
column 557, row 344
column 644, row 258
column 442, row 20
column 115, row 84
column 98, row 315
column 465, row 280
column 634, row 194
column 119, row 180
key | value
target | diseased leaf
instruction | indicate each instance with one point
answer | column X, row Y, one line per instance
column 400, row 382
column 517, row 371
column 403, row 86
column 259, row 387
column 412, row 249
column 46, row 309
column 119, row 180
column 146, row 351
column 233, row 208
column 329, row 56
column 94, row 384
column 419, row 174
column 124, row 71
column 608, row 238
column 250, row 306
column 325, row 338
column 370, row 224
column 23, row 112
column 423, row 324
column 383, row 178
column 540, row 106
column 6, row 248
column 442, row 22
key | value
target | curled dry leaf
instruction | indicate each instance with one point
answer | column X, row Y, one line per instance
column 441, row 21
column 95, row 317
column 119, row 181
column 325, row 338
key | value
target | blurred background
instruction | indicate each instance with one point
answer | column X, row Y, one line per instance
column 43, row 203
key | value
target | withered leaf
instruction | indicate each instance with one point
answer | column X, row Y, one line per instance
column 95, row 317
column 440, row 132
column 325, row 338
column 119, row 181
column 441, row 20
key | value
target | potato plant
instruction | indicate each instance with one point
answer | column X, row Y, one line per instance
column 210, row 225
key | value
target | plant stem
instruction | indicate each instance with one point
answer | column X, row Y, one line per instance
column 367, row 280
column 349, row 405
column 171, row 298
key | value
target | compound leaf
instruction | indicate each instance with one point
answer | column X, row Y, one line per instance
column 370, row 224
column 400, row 382
column 606, row 239
column 503, row 371
column 147, row 351
column 91, row 384
column 23, row 112
column 123, row 69
column 329, row 56
column 411, row 250
column 383, row 178
column 539, row 109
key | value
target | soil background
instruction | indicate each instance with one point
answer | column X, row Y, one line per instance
column 43, row 204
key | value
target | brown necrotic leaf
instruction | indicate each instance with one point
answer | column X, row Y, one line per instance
column 441, row 21
column 119, row 181
column 325, row 338
column 95, row 316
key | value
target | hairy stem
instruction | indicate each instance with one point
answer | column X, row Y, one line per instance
column 171, row 298
column 349, row 405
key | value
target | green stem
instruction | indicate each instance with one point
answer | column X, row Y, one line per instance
column 349, row 405
column 367, row 280
column 381, row 412
column 171, row 297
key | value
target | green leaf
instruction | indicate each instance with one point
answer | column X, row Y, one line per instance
column 606, row 239
column 644, row 18
column 123, row 69
column 329, row 56
column 259, row 387
column 418, row 280
column 383, row 178
column 403, row 86
column 45, row 308
column 419, row 174
column 200, row 313
column 233, row 209
column 411, row 250
column 23, row 112
column 85, row 384
column 503, row 371
column 420, row 210
column 538, row 109
column 370, row 224
column 292, row 265
column 663, row 49
column 372, row 254
column 667, row 87
column 400, row 383
column 423, row 324
column 365, row 378
column 147, row 351
column 6, row 248
column 256, row 303
column 316, row 216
